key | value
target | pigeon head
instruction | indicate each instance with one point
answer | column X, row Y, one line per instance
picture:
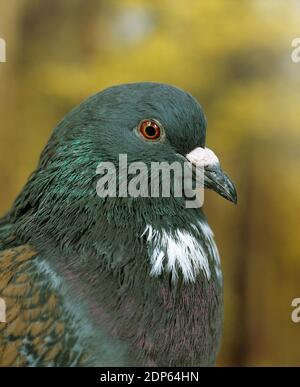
column 147, row 122
column 118, row 113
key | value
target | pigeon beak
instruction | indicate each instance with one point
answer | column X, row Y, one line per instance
column 214, row 177
column 218, row 181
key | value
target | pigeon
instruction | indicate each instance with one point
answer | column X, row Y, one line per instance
column 114, row 280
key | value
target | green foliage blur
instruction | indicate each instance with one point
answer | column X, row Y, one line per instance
column 235, row 57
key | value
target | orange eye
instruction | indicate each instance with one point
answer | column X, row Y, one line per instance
column 150, row 130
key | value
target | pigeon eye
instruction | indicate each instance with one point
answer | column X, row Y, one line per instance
column 150, row 130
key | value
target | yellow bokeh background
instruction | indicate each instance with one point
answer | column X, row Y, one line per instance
column 235, row 57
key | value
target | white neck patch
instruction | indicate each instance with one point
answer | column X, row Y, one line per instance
column 188, row 252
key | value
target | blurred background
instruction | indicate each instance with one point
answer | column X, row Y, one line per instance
column 235, row 57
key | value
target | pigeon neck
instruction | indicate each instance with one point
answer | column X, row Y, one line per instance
column 159, row 235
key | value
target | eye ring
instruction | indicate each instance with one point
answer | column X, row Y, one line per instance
column 150, row 130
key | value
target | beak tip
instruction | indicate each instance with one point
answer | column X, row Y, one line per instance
column 234, row 197
column 231, row 197
column 218, row 181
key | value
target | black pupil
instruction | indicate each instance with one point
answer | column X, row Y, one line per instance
column 150, row 131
